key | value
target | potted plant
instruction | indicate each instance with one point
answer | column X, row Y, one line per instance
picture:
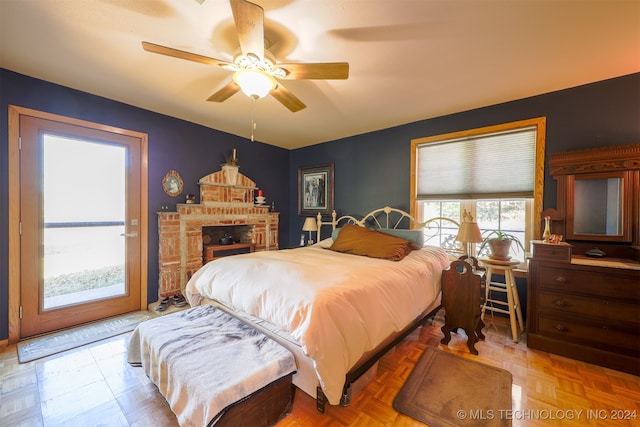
column 499, row 244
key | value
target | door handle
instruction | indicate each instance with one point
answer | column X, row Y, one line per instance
column 134, row 234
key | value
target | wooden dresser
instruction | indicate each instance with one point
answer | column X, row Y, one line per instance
column 588, row 308
column 584, row 308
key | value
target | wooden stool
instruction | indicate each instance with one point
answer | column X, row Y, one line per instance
column 512, row 306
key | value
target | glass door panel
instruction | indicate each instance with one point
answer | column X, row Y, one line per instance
column 84, row 221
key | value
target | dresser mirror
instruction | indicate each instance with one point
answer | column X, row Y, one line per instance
column 597, row 207
column 598, row 194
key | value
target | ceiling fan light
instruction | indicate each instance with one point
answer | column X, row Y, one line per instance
column 254, row 83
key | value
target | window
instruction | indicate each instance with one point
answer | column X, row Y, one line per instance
column 496, row 173
column 507, row 215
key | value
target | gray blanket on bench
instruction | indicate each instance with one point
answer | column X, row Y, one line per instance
column 202, row 360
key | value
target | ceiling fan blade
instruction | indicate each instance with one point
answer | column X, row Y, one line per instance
column 224, row 93
column 181, row 54
column 249, row 19
column 287, row 99
column 327, row 70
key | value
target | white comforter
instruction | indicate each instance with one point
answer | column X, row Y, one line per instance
column 337, row 306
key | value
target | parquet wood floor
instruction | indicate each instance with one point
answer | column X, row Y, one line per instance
column 94, row 385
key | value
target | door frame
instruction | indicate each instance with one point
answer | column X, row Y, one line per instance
column 15, row 112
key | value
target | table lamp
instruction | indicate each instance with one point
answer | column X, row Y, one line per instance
column 310, row 225
column 469, row 232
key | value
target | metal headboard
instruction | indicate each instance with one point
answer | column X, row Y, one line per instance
column 388, row 217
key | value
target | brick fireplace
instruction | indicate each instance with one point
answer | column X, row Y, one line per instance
column 226, row 201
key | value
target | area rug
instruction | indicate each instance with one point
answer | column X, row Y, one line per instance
column 448, row 390
column 46, row 345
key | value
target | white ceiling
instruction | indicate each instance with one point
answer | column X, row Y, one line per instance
column 409, row 59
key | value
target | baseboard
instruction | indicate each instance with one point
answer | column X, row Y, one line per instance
column 4, row 343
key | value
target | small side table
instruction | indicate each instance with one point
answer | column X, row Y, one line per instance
column 512, row 306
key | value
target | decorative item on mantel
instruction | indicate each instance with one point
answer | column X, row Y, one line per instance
column 260, row 199
column 230, row 168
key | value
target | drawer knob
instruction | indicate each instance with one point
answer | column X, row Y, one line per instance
column 561, row 328
column 560, row 303
column 560, row 279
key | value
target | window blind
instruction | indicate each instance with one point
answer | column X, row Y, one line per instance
column 478, row 167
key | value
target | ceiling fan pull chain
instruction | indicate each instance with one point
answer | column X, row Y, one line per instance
column 253, row 112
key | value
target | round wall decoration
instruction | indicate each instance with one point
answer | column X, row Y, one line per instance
column 172, row 183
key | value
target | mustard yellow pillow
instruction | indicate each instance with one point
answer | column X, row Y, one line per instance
column 356, row 240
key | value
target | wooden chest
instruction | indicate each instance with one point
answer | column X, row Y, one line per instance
column 214, row 369
column 263, row 408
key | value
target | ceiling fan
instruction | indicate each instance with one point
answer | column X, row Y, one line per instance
column 255, row 70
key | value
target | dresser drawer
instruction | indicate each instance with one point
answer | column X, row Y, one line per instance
column 593, row 308
column 593, row 283
column 602, row 335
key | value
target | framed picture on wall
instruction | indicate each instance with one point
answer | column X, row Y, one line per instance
column 315, row 190
column 172, row 183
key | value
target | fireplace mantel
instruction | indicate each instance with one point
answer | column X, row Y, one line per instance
column 222, row 203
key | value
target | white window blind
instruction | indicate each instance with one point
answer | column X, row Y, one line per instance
column 478, row 167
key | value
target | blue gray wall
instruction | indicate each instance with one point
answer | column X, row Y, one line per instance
column 192, row 150
column 371, row 170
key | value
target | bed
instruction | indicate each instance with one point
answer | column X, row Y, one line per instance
column 335, row 311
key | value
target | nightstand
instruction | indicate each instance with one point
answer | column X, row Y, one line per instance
column 463, row 293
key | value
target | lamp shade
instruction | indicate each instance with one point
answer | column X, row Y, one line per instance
column 469, row 232
column 310, row 224
column 254, row 83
